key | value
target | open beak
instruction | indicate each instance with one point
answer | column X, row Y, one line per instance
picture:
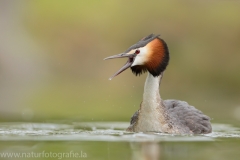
column 126, row 66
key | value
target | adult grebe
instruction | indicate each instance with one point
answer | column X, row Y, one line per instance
column 156, row 115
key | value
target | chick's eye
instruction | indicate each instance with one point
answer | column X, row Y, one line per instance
column 137, row 51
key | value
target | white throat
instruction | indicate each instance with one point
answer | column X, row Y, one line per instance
column 151, row 96
column 151, row 113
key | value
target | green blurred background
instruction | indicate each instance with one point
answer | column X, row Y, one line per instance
column 52, row 68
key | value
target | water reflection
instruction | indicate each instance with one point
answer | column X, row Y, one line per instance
column 145, row 151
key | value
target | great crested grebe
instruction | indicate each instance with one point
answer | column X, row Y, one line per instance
column 156, row 115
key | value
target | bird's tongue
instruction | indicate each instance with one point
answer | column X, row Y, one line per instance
column 126, row 66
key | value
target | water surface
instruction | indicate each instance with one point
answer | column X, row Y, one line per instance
column 109, row 140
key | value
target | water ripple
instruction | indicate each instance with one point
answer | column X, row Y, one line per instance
column 101, row 131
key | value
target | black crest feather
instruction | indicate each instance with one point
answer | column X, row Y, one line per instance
column 143, row 42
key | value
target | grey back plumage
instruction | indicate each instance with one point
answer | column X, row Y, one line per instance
column 186, row 118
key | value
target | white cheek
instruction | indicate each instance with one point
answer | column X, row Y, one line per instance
column 141, row 58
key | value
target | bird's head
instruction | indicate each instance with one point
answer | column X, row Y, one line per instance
column 149, row 54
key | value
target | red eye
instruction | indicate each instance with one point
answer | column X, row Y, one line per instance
column 137, row 51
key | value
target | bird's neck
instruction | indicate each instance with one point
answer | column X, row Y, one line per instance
column 152, row 111
column 151, row 96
